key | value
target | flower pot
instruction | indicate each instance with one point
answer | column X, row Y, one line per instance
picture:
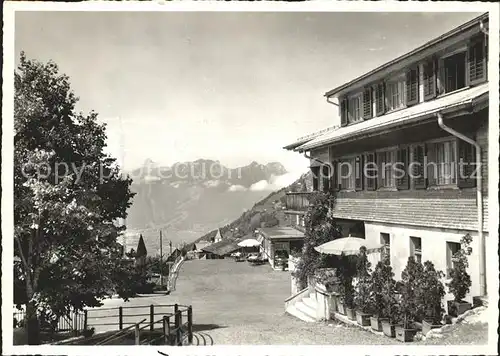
column 351, row 315
column 388, row 328
column 457, row 308
column 362, row 319
column 341, row 308
column 428, row 326
column 376, row 323
column 405, row 335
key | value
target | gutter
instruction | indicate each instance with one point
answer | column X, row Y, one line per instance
column 479, row 202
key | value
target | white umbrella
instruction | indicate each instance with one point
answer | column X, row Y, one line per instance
column 347, row 246
column 249, row 243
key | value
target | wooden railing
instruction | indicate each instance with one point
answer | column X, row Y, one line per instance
column 297, row 201
column 165, row 328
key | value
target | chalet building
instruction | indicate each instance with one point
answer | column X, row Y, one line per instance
column 403, row 161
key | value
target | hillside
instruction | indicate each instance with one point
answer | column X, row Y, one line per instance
column 267, row 212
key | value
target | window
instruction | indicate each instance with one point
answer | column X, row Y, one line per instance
column 354, row 107
column 385, row 241
column 429, row 78
column 444, row 169
column 416, row 248
column 451, row 249
column 401, row 169
column 346, row 169
column 417, row 166
column 454, row 72
column 344, row 112
column 386, row 169
column 395, row 92
column 370, row 171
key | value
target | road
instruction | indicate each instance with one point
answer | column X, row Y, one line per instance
column 236, row 304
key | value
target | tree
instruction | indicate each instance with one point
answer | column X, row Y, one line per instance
column 67, row 195
column 321, row 227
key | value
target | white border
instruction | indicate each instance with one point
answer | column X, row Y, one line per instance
column 7, row 171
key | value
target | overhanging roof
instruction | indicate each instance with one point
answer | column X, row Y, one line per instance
column 453, row 101
column 474, row 23
column 281, row 233
column 304, row 139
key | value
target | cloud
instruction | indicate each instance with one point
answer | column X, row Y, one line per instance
column 375, row 49
column 275, row 182
column 237, row 188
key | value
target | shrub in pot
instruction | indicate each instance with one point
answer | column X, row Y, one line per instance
column 460, row 282
column 363, row 290
column 345, row 272
column 409, row 306
column 382, row 283
column 431, row 296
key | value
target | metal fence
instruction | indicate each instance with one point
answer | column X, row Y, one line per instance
column 76, row 321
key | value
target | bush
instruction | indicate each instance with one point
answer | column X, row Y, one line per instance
column 460, row 282
column 410, row 306
column 363, row 297
column 431, row 294
column 384, row 287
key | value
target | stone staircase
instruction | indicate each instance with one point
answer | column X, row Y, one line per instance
column 304, row 309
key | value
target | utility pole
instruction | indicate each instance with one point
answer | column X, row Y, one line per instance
column 161, row 260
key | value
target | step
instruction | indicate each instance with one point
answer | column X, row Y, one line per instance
column 310, row 302
column 292, row 310
column 306, row 309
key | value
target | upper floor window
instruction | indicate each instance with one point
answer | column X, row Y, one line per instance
column 379, row 99
column 443, row 171
column 386, row 162
column 395, row 93
column 412, row 87
column 477, row 54
column 347, row 174
column 429, row 79
column 453, row 72
column 355, row 108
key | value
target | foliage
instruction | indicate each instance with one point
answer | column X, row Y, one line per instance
column 67, row 195
column 460, row 282
column 384, row 289
column 321, row 227
column 410, row 294
column 431, row 293
column 363, row 297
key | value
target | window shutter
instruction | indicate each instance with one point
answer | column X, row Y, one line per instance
column 417, row 167
column 402, row 183
column 325, row 177
column 371, row 179
column 431, row 165
column 367, row 104
column 315, row 171
column 335, row 178
column 466, row 155
column 429, row 79
column 412, row 86
column 441, row 77
column 343, row 112
column 476, row 61
column 387, row 107
column 379, row 93
column 358, row 173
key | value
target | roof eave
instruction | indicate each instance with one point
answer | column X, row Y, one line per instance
column 464, row 27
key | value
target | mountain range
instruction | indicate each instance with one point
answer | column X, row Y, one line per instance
column 188, row 199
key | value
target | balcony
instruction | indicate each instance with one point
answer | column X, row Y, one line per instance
column 297, row 201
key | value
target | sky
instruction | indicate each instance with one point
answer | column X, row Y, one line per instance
column 229, row 86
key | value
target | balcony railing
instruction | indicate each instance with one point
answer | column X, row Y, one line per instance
column 297, row 201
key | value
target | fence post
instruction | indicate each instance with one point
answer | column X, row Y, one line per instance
column 120, row 318
column 176, row 308
column 151, row 317
column 137, row 335
column 190, row 325
column 85, row 320
column 177, row 328
column 166, row 330
column 75, row 323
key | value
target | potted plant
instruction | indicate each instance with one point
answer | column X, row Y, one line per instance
column 460, row 282
column 409, row 307
column 431, row 296
column 349, row 299
column 382, row 284
column 363, row 291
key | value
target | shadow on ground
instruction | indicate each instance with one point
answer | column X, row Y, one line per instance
column 205, row 327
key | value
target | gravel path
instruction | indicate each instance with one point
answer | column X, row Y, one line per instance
column 236, row 304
